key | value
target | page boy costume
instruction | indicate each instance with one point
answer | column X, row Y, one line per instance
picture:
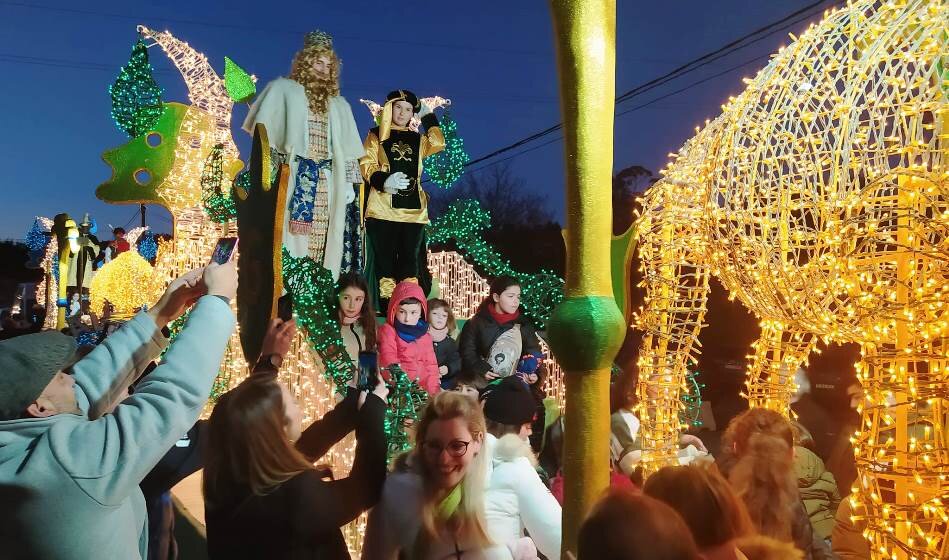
column 396, row 217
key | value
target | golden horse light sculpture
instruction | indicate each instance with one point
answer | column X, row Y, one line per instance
column 819, row 199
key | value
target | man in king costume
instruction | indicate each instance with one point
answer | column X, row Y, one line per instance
column 397, row 210
column 311, row 128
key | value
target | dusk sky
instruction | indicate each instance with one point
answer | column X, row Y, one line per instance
column 494, row 59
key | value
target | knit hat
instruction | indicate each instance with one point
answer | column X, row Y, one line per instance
column 27, row 364
column 509, row 401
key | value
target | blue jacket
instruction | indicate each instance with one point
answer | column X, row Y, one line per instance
column 69, row 484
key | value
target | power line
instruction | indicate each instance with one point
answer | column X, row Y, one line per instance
column 627, row 111
column 682, row 70
column 257, row 28
column 765, row 31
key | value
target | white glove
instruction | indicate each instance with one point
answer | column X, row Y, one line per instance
column 396, row 182
column 350, row 194
column 424, row 110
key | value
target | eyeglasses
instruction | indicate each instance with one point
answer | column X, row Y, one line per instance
column 455, row 448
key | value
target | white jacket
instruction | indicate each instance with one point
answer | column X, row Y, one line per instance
column 394, row 524
column 517, row 499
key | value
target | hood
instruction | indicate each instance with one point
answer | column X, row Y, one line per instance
column 807, row 466
column 405, row 290
column 509, row 447
column 15, row 435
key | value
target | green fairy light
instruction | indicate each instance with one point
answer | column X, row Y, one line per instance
column 136, row 97
column 445, row 167
column 464, row 222
column 691, row 412
column 314, row 304
column 313, row 288
column 218, row 205
column 239, row 84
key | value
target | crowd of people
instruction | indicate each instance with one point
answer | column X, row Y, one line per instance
column 92, row 442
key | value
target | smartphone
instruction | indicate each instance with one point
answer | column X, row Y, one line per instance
column 368, row 371
column 224, row 250
column 285, row 307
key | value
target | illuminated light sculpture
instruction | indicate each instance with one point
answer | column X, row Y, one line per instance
column 458, row 283
column 126, row 282
column 819, row 199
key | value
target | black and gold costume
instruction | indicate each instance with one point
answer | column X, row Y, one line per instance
column 395, row 223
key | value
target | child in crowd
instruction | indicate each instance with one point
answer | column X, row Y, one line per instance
column 357, row 320
column 716, row 516
column 442, row 328
column 757, row 456
column 404, row 338
column 626, row 526
column 516, row 498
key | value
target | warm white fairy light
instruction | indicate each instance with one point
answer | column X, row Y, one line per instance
column 458, row 283
column 823, row 202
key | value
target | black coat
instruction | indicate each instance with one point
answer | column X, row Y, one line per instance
column 477, row 337
column 446, row 354
column 302, row 517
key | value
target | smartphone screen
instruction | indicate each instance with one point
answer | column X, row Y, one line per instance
column 224, row 249
column 285, row 307
column 368, row 371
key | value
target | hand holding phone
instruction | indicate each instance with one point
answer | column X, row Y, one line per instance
column 224, row 250
column 368, row 371
column 285, row 307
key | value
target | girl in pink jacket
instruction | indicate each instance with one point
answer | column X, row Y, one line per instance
column 404, row 338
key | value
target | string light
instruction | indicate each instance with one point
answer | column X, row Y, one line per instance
column 818, row 199
column 445, row 167
column 136, row 97
column 463, row 223
column 148, row 247
column 127, row 282
column 219, row 205
column 458, row 283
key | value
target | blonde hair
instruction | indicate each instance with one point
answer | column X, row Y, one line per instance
column 760, row 443
column 436, row 303
column 468, row 523
column 318, row 90
column 247, row 441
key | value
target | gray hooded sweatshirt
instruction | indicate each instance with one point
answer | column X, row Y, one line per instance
column 69, row 483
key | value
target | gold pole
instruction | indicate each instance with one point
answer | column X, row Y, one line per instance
column 587, row 329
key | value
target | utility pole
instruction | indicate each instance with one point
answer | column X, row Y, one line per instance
column 143, row 214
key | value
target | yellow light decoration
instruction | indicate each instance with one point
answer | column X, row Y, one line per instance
column 127, row 282
column 819, row 199
column 46, row 291
column 458, row 283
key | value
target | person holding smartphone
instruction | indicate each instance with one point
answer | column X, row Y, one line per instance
column 263, row 496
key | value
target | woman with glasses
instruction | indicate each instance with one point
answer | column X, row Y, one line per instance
column 435, row 509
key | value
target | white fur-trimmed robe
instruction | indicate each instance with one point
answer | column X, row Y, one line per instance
column 283, row 108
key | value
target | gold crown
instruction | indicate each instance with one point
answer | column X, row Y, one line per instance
column 318, row 39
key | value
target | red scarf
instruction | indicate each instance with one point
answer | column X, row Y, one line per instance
column 503, row 318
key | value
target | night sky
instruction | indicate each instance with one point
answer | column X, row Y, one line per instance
column 494, row 59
